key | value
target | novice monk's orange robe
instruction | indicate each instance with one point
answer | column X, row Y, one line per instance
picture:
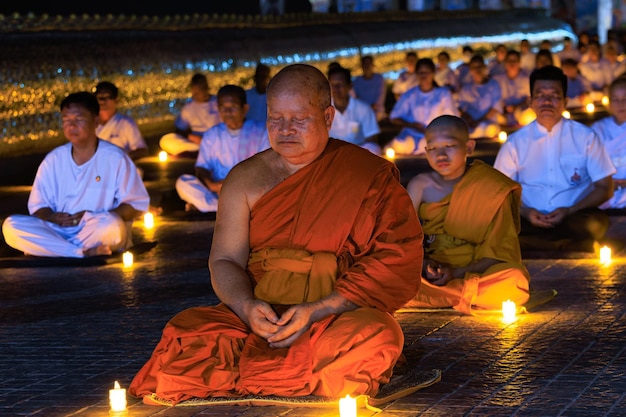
column 479, row 219
column 343, row 222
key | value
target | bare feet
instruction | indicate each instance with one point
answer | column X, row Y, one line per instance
column 97, row 251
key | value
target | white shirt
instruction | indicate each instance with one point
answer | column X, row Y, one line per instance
column 405, row 81
column 599, row 74
column 477, row 99
column 199, row 117
column 418, row 106
column 101, row 184
column 222, row 149
column 557, row 168
column 514, row 91
column 614, row 138
column 122, row 130
column 355, row 124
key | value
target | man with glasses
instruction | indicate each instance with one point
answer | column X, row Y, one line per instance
column 564, row 170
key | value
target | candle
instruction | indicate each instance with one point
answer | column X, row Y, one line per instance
column 605, row 101
column 590, row 107
column 162, row 156
column 390, row 153
column 509, row 311
column 605, row 255
column 347, row 406
column 566, row 114
column 148, row 220
column 502, row 136
column 127, row 258
column 117, row 398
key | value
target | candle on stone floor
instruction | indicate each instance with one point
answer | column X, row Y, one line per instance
column 605, row 255
column 347, row 406
column 127, row 258
column 566, row 114
column 117, row 398
column 148, row 220
column 162, row 156
column 502, row 136
column 509, row 310
column 390, row 153
column 590, row 108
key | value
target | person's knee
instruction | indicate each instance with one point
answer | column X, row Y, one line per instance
column 111, row 228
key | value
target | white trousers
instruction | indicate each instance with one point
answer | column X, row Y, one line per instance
column 37, row 237
column 191, row 190
column 174, row 144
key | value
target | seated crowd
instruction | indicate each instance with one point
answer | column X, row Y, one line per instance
column 316, row 242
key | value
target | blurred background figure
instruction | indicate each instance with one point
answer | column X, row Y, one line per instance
column 197, row 116
column 255, row 95
column 370, row 87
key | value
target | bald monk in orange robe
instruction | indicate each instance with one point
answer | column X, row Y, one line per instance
column 471, row 220
column 316, row 245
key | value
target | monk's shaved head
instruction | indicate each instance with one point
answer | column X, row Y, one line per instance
column 452, row 124
column 303, row 79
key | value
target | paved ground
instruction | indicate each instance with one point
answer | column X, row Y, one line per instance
column 68, row 332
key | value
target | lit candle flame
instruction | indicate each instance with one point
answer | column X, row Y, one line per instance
column 347, row 407
column 117, row 398
column 509, row 311
column 127, row 259
column 605, row 101
column 590, row 108
column 390, row 153
column 148, row 220
column 502, row 136
column 566, row 114
column 605, row 255
column 162, row 156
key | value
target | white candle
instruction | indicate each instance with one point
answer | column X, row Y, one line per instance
column 502, row 136
column 566, row 114
column 590, row 107
column 347, row 406
column 127, row 258
column 390, row 153
column 148, row 220
column 117, row 398
column 509, row 311
column 605, row 255
column 162, row 156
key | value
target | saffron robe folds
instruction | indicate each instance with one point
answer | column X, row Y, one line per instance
column 479, row 219
column 349, row 204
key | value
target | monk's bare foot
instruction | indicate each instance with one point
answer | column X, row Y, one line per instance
column 97, row 251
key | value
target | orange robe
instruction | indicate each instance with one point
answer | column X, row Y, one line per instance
column 479, row 219
column 348, row 204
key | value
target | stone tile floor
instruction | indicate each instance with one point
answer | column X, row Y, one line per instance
column 67, row 333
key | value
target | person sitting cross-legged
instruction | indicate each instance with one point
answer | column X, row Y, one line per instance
column 470, row 216
column 222, row 147
column 310, row 261
column 85, row 195
column 564, row 169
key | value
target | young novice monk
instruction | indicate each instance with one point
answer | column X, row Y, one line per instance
column 470, row 216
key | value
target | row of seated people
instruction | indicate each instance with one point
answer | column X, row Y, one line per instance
column 237, row 138
column 345, row 245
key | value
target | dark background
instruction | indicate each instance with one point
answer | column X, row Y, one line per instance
column 153, row 8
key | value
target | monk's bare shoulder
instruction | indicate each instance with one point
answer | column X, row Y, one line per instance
column 419, row 186
column 255, row 176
